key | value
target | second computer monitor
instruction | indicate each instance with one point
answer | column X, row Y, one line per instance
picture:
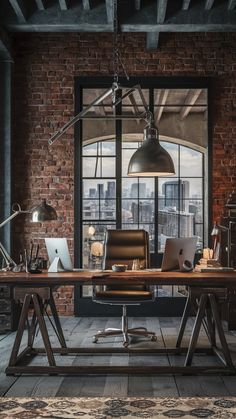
column 58, row 254
column 176, row 247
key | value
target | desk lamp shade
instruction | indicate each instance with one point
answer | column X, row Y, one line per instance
column 151, row 159
column 43, row 212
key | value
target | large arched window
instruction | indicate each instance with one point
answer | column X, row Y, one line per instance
column 174, row 206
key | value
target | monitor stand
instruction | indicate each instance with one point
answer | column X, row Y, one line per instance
column 56, row 266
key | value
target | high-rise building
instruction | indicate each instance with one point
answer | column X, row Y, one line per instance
column 176, row 194
column 92, row 193
column 111, row 190
column 100, row 190
column 138, row 189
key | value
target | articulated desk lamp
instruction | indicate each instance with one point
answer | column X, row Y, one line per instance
column 40, row 213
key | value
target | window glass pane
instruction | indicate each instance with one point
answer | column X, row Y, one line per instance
column 186, row 221
column 151, row 232
column 90, row 150
column 146, row 211
column 126, row 226
column 199, row 234
column 190, row 162
column 99, row 209
column 130, row 188
column 126, row 156
column 192, row 188
column 91, row 209
column 91, row 166
column 130, row 211
column 89, row 96
column 98, row 130
column 168, row 226
column 108, row 209
column 99, row 188
column 108, row 148
column 197, row 208
column 138, row 187
column 130, row 144
column 163, row 187
column 173, row 150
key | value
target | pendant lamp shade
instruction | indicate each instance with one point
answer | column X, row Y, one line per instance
column 43, row 212
column 151, row 159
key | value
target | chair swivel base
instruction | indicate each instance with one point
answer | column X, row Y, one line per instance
column 137, row 331
column 125, row 331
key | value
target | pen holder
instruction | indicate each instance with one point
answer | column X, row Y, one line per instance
column 33, row 267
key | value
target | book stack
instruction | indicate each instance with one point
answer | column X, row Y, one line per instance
column 211, row 265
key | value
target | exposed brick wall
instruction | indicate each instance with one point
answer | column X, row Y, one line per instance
column 45, row 67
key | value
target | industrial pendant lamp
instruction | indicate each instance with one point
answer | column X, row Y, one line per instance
column 151, row 159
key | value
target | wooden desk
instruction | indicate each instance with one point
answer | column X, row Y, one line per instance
column 205, row 285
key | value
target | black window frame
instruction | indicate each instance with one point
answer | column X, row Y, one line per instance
column 145, row 82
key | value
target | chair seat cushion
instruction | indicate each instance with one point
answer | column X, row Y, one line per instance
column 123, row 295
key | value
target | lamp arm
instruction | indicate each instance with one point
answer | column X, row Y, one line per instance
column 16, row 208
column 9, row 261
column 146, row 115
column 80, row 115
column 15, row 213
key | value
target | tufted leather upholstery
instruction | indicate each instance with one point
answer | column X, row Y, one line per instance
column 122, row 247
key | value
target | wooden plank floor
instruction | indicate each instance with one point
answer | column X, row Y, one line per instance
column 79, row 332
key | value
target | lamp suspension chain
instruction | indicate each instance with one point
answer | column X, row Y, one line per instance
column 115, row 44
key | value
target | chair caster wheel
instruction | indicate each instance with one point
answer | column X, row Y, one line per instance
column 95, row 339
column 153, row 338
column 126, row 344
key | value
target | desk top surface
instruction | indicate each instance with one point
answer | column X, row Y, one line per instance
column 209, row 279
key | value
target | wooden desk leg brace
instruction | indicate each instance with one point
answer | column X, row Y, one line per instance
column 207, row 307
column 38, row 318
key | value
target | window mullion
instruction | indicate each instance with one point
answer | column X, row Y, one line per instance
column 118, row 130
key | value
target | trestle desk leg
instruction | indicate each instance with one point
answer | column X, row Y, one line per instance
column 196, row 329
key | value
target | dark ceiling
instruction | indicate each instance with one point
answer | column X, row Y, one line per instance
column 149, row 16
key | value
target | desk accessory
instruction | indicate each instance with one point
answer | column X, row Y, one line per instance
column 119, row 268
column 32, row 263
column 40, row 213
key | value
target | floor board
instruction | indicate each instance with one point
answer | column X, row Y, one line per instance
column 80, row 331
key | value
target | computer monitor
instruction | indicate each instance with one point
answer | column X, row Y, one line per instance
column 177, row 249
column 58, row 254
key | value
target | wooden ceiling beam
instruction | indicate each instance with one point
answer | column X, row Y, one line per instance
column 137, row 4
column 190, row 100
column 19, row 9
column 231, row 4
column 5, row 46
column 152, row 40
column 87, row 4
column 110, row 11
column 153, row 37
column 63, row 4
column 185, row 4
column 162, row 101
column 184, row 27
column 161, row 10
column 41, row 4
column 100, row 19
column 209, row 4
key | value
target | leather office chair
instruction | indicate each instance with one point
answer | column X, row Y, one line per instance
column 122, row 247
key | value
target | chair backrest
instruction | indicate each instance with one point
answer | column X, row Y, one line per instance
column 123, row 246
